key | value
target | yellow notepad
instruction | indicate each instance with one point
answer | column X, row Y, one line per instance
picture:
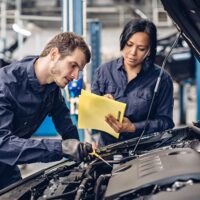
column 94, row 108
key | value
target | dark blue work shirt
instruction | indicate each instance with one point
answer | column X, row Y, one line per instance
column 111, row 78
column 24, row 104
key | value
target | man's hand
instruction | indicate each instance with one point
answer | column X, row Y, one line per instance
column 125, row 126
column 77, row 151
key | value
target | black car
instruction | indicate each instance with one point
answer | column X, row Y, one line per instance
column 163, row 165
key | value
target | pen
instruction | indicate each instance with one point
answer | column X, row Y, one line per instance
column 118, row 115
column 99, row 157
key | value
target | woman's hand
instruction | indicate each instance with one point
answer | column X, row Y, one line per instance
column 125, row 126
column 109, row 96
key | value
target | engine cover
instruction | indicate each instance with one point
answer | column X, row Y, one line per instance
column 160, row 167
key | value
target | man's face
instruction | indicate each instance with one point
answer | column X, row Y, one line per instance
column 65, row 70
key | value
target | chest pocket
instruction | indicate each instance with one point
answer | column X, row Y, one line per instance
column 111, row 89
column 107, row 88
column 145, row 94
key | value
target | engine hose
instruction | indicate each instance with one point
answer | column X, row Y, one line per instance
column 81, row 188
column 99, row 181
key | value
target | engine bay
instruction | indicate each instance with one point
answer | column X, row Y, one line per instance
column 164, row 166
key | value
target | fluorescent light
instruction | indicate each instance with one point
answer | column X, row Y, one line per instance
column 20, row 30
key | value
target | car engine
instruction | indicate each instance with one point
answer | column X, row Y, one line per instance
column 164, row 166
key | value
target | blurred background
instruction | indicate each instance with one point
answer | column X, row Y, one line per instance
column 26, row 26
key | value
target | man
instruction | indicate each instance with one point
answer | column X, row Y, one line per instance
column 29, row 91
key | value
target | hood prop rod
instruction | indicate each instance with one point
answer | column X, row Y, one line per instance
column 156, row 89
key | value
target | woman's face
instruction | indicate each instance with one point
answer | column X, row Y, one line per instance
column 136, row 49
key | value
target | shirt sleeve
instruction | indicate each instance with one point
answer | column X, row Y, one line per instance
column 15, row 150
column 96, row 83
column 61, row 118
column 162, row 116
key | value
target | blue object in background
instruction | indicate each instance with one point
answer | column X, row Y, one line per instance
column 75, row 87
column 47, row 128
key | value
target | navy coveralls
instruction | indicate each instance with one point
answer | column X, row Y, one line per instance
column 24, row 104
column 111, row 78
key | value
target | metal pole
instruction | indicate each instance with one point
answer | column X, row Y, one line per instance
column 73, row 13
column 198, row 87
column 95, row 27
column 19, row 22
column 65, row 19
column 3, row 24
column 78, row 17
column 67, row 15
column 84, row 5
column 182, row 103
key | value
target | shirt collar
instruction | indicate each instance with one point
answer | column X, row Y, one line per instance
column 33, row 81
column 120, row 63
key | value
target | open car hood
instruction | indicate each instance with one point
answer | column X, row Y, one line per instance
column 186, row 16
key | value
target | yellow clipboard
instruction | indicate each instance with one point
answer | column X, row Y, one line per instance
column 94, row 108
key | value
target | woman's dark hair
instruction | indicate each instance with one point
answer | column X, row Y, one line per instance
column 141, row 25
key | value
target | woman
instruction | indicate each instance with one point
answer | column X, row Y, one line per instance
column 131, row 79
